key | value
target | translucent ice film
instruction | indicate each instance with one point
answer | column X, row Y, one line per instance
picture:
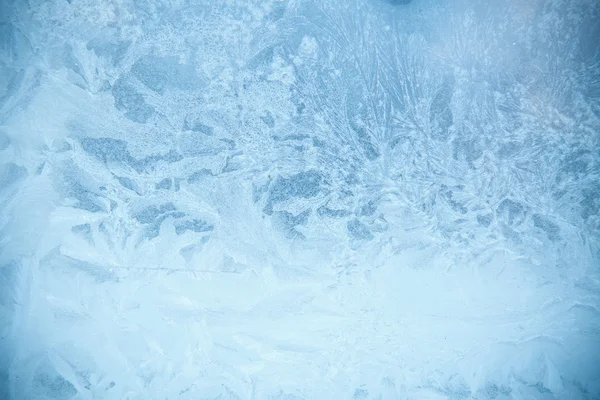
column 299, row 199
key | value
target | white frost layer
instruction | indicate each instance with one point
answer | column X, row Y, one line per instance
column 300, row 200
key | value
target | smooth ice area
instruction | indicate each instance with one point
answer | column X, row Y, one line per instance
column 299, row 199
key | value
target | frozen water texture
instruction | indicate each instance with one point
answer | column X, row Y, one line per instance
column 300, row 199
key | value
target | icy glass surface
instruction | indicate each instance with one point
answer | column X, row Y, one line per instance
column 299, row 199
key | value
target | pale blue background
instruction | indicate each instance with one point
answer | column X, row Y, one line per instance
column 297, row 199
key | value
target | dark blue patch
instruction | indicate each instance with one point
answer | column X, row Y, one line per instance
column 115, row 150
column 132, row 103
column 192, row 124
column 195, row 225
column 268, row 119
column 305, row 184
column 467, row 149
column 83, row 228
column 107, row 149
column 164, row 184
column 127, row 183
column 590, row 204
column 112, row 51
column 290, row 137
column 552, row 230
column 148, row 215
column 86, row 200
column 159, row 73
column 360, row 394
column 511, row 212
column 485, row 220
column 440, row 114
column 455, row 205
column 199, row 175
column 358, row 230
column 367, row 209
column 288, row 221
column 365, row 140
column 329, row 212
column 11, row 173
column 150, row 161
column 491, row 391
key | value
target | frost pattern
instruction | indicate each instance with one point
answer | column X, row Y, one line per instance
column 300, row 199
